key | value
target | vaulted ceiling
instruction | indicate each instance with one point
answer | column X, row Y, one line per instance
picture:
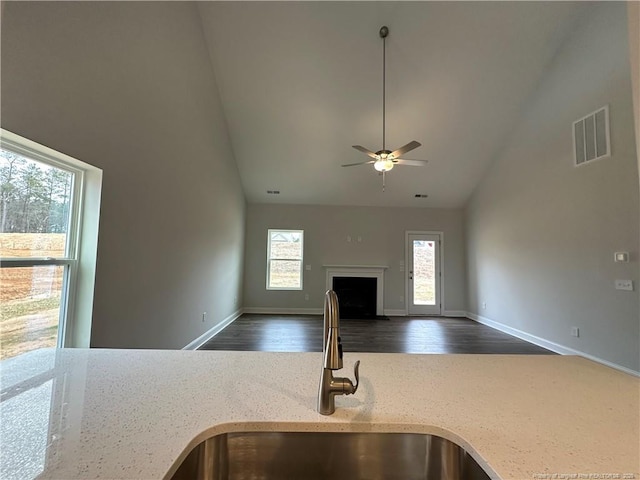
column 301, row 82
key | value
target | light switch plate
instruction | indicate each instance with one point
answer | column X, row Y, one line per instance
column 624, row 285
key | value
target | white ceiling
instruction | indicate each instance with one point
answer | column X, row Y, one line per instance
column 301, row 82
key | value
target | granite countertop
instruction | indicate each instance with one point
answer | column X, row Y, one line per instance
column 123, row 414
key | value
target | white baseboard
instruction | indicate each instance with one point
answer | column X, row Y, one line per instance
column 390, row 312
column 284, row 311
column 308, row 311
column 217, row 328
column 542, row 342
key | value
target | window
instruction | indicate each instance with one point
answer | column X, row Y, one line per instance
column 44, row 196
column 284, row 259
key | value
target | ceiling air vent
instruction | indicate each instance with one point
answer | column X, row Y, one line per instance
column 591, row 137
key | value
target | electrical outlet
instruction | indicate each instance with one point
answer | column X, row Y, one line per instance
column 401, row 298
column 575, row 332
column 484, row 305
column 624, row 285
column 204, row 316
column 306, row 296
column 621, row 257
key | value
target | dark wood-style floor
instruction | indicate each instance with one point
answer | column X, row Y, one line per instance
column 303, row 333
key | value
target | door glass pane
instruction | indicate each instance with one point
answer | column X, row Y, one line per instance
column 29, row 308
column 424, row 273
column 34, row 207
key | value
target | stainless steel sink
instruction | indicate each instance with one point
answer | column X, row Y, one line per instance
column 348, row 456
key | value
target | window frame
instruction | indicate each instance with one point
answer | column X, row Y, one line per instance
column 79, row 260
column 301, row 259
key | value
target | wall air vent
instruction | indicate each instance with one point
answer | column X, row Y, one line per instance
column 421, row 195
column 591, row 137
column 273, row 192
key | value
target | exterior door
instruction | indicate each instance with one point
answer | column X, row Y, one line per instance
column 423, row 270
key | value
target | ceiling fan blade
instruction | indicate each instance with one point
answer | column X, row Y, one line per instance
column 407, row 148
column 364, row 150
column 359, row 163
column 413, row 163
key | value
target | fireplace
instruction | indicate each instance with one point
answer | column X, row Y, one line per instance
column 356, row 296
column 371, row 273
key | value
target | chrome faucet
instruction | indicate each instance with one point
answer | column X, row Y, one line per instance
column 332, row 359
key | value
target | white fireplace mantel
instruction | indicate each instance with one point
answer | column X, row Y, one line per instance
column 368, row 271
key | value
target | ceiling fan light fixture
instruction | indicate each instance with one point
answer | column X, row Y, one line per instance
column 383, row 165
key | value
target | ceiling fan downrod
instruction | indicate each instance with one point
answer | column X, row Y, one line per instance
column 384, row 32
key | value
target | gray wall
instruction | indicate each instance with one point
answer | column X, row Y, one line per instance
column 541, row 234
column 129, row 89
column 326, row 229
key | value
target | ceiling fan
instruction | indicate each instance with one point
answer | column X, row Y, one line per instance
column 384, row 160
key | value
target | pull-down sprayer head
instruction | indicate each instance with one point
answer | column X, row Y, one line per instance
column 331, row 344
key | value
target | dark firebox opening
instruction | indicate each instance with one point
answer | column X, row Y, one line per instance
column 356, row 296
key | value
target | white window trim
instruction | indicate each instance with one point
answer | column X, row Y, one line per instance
column 82, row 243
column 301, row 259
